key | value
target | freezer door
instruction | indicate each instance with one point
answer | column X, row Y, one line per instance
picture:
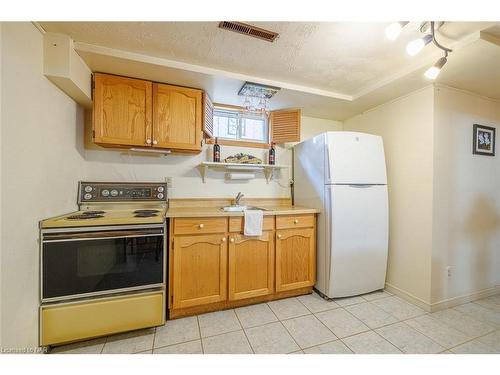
column 354, row 158
column 358, row 222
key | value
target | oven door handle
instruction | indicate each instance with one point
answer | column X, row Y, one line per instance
column 86, row 236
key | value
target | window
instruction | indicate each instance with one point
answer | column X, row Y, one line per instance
column 240, row 126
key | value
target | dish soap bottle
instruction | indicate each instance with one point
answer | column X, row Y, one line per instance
column 272, row 154
column 216, row 151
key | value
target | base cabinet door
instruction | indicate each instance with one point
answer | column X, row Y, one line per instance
column 200, row 270
column 295, row 258
column 251, row 266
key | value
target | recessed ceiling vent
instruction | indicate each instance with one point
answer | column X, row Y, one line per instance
column 243, row 28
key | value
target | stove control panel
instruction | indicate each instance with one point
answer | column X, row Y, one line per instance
column 122, row 192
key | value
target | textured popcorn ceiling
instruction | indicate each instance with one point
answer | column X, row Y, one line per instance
column 330, row 69
column 340, row 57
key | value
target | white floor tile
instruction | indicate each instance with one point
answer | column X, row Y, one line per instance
column 288, row 308
column 271, row 339
column 315, row 303
column 228, row 343
column 308, row 331
column 191, row 347
column 398, row 308
column 216, row 323
column 480, row 313
column 332, row 347
column 408, row 340
column 341, row 322
column 370, row 343
column 371, row 315
column 376, row 295
column 349, row 301
column 130, row 342
column 441, row 333
column 255, row 315
column 176, row 331
column 462, row 322
column 473, row 347
column 84, row 347
column 492, row 340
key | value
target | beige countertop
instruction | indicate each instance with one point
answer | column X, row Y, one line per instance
column 218, row 212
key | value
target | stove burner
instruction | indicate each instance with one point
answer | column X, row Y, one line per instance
column 146, row 212
column 93, row 212
column 84, row 217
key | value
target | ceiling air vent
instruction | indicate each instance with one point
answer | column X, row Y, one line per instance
column 243, row 28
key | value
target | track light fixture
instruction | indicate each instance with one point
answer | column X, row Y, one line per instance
column 414, row 47
column 434, row 70
column 394, row 29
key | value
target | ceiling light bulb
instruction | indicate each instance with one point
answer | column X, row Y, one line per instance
column 394, row 29
column 434, row 70
column 415, row 46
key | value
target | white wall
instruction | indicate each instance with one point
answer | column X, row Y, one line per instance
column 43, row 157
column 466, row 198
column 406, row 126
column 41, row 160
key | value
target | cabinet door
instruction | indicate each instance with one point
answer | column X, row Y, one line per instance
column 295, row 258
column 122, row 110
column 200, row 267
column 177, row 115
column 251, row 265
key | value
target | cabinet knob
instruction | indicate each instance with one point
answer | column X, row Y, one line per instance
column 223, row 239
column 155, row 142
column 232, row 239
column 148, row 141
column 296, row 221
column 201, row 226
column 279, row 235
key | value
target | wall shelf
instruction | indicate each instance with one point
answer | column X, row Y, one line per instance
column 268, row 169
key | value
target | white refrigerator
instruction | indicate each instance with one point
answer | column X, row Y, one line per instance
column 343, row 174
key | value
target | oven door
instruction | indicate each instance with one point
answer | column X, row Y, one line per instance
column 80, row 264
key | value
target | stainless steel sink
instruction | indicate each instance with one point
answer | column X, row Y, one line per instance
column 238, row 208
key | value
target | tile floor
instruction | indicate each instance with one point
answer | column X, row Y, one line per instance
column 374, row 323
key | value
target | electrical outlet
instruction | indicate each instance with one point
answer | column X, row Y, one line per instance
column 449, row 271
column 169, row 182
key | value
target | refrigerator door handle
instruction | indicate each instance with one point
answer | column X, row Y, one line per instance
column 361, row 186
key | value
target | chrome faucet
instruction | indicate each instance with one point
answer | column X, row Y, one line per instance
column 238, row 198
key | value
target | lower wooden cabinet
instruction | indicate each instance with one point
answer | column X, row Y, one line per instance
column 295, row 258
column 213, row 266
column 199, row 270
column 251, row 266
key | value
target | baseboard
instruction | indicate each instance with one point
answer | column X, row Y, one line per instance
column 444, row 304
column 455, row 301
column 408, row 297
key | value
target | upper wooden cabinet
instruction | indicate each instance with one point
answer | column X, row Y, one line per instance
column 122, row 110
column 134, row 112
column 177, row 117
column 285, row 125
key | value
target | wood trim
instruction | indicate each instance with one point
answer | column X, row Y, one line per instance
column 228, row 142
column 224, row 305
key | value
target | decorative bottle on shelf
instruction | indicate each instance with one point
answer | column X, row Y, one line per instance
column 272, row 154
column 216, row 151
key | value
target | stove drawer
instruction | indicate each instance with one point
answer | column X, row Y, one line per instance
column 79, row 321
column 200, row 225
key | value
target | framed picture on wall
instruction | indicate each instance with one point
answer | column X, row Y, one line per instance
column 484, row 140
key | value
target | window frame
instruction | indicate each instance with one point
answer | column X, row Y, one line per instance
column 241, row 114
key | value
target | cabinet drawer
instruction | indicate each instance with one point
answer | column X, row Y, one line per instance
column 294, row 221
column 236, row 224
column 200, row 225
